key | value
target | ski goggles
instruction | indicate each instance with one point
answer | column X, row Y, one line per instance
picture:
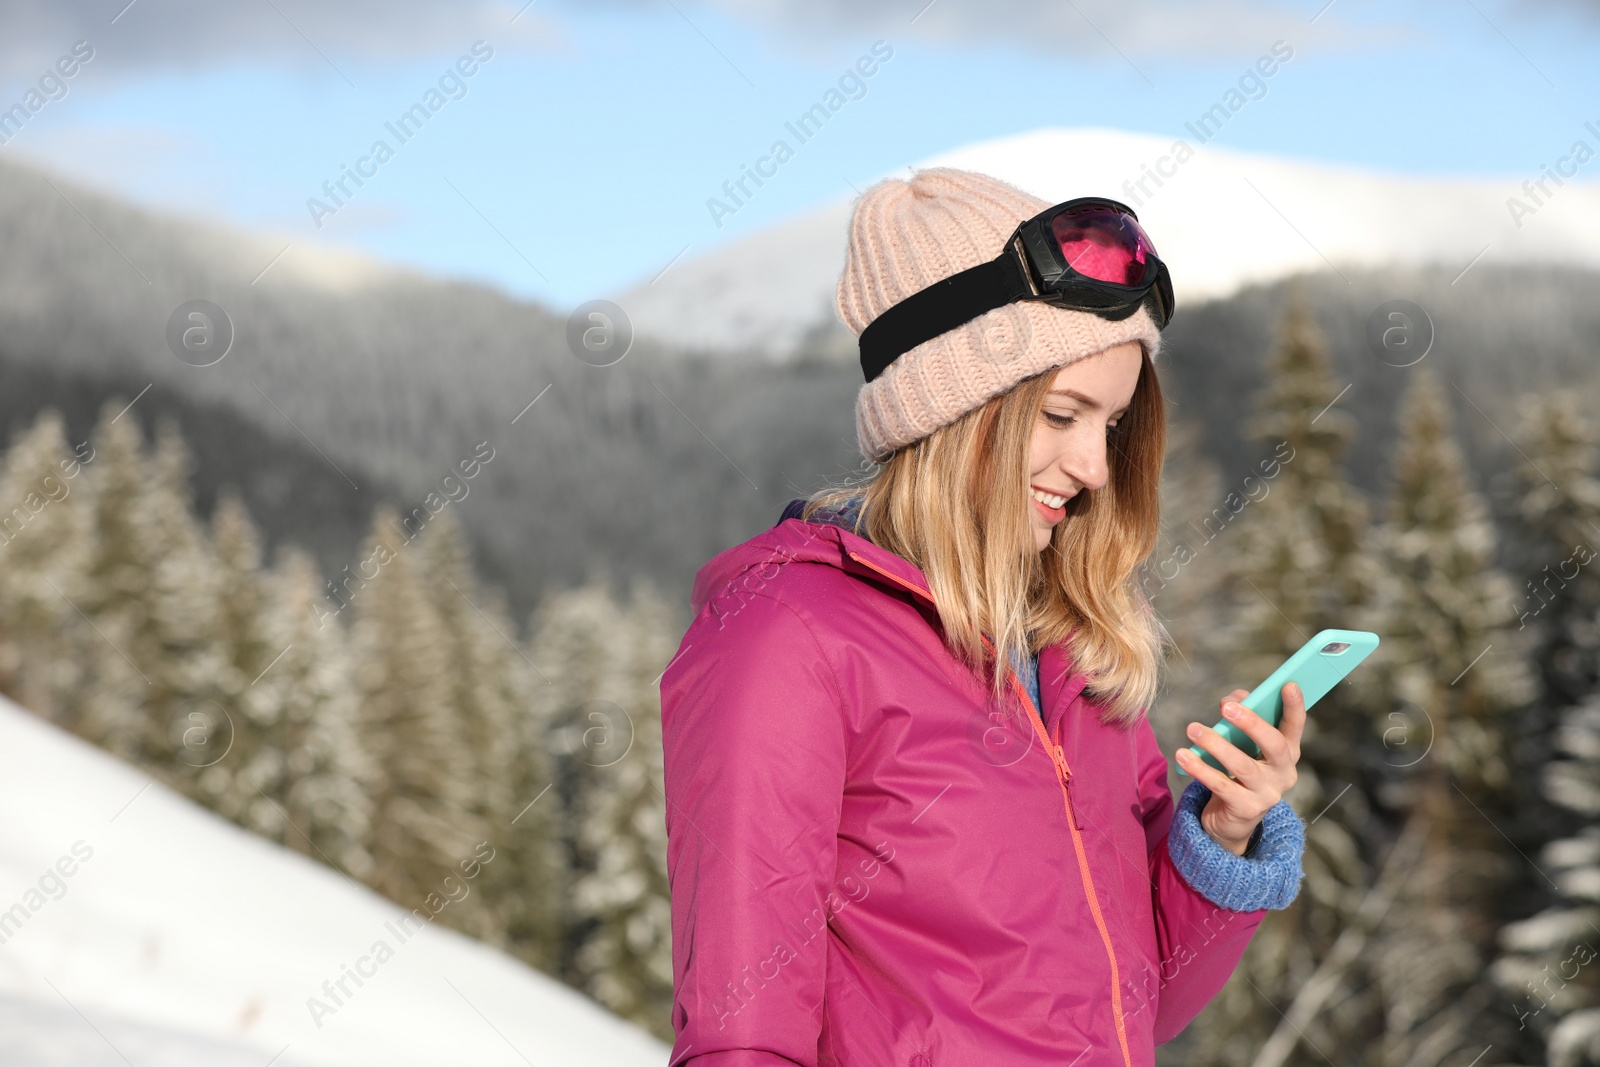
column 1088, row 254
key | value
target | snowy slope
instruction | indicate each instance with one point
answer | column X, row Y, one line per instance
column 1222, row 220
column 179, row 939
column 762, row 292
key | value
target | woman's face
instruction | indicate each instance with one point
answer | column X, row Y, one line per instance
column 1068, row 454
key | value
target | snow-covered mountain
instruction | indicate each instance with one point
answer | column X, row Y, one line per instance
column 1221, row 219
column 137, row 927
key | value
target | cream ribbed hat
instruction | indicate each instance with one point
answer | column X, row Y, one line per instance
column 906, row 235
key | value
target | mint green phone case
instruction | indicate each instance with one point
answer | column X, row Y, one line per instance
column 1317, row 667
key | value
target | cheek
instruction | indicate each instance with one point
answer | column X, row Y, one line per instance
column 1050, row 447
column 1045, row 448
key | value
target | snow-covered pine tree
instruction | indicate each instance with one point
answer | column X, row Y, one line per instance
column 489, row 692
column 569, row 637
column 531, row 902
column 1293, row 548
column 45, row 544
column 237, row 768
column 1558, row 605
column 602, row 661
column 1550, row 964
column 1303, row 435
column 1456, row 667
column 150, row 591
column 1178, row 579
column 1546, row 967
column 423, row 820
column 628, row 958
column 328, row 770
column 116, row 587
column 292, row 769
column 184, row 606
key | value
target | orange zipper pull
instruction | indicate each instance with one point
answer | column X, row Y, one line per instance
column 1060, row 758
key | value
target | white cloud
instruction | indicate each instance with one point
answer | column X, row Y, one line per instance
column 189, row 34
column 186, row 34
column 1089, row 29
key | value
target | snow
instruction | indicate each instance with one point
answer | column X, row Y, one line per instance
column 169, row 937
column 760, row 293
column 1222, row 220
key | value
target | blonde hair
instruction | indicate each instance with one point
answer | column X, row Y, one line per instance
column 954, row 503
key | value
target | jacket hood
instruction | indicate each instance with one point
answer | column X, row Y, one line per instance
column 795, row 540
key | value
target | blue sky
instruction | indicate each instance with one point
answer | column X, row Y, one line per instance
column 581, row 156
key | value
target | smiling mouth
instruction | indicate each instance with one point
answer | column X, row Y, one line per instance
column 1048, row 499
column 1052, row 507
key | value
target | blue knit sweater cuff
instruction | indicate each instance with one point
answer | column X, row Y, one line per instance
column 1266, row 876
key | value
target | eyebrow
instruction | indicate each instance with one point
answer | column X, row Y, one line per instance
column 1087, row 401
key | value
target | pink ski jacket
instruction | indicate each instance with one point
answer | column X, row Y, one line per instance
column 871, row 864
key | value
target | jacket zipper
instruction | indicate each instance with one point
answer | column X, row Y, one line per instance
column 1064, row 779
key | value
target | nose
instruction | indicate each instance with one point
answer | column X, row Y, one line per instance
column 1085, row 462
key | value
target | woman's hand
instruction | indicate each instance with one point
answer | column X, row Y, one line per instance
column 1238, row 803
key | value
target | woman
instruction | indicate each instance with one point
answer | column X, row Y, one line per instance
column 882, row 849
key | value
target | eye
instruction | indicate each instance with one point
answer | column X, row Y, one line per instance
column 1059, row 421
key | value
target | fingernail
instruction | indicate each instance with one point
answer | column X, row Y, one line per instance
column 1193, row 729
column 1231, row 710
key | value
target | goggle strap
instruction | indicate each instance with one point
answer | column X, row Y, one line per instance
column 940, row 308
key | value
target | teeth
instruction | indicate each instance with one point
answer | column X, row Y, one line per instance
column 1047, row 499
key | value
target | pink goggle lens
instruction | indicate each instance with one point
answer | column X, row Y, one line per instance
column 1104, row 244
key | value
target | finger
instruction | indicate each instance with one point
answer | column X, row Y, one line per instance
column 1232, row 758
column 1274, row 748
column 1293, row 723
column 1233, row 697
column 1219, row 783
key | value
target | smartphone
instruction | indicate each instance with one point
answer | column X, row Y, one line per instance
column 1319, row 665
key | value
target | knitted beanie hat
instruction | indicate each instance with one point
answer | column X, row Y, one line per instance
column 906, row 235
